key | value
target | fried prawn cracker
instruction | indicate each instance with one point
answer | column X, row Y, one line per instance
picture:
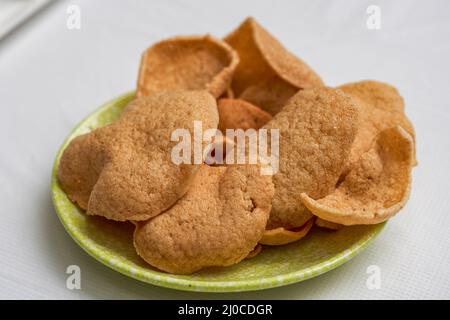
column 316, row 128
column 270, row 94
column 376, row 188
column 124, row 171
column 257, row 250
column 217, row 223
column 262, row 57
column 239, row 114
column 187, row 62
column 328, row 225
column 281, row 236
column 380, row 107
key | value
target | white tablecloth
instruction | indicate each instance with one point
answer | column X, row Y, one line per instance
column 52, row 77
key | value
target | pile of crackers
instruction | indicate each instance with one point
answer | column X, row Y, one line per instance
column 345, row 153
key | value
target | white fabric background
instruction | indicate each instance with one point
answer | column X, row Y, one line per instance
column 51, row 78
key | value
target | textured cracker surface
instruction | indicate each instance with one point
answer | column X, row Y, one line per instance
column 262, row 57
column 239, row 114
column 376, row 188
column 189, row 62
column 217, row 223
column 270, row 94
column 380, row 107
column 124, row 171
column 328, row 224
column 317, row 129
column 281, row 236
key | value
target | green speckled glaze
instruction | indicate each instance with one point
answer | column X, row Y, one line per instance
column 111, row 242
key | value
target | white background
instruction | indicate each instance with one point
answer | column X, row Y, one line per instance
column 52, row 77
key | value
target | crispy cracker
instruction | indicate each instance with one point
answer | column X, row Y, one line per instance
column 281, row 236
column 239, row 114
column 376, row 188
column 217, row 223
column 262, row 57
column 328, row 225
column 317, row 128
column 380, row 107
column 124, row 171
column 270, row 94
column 257, row 250
column 188, row 62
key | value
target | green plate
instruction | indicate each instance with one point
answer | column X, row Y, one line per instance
column 111, row 242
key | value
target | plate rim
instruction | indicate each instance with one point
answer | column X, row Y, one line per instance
column 194, row 285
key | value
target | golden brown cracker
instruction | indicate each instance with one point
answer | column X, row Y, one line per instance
column 228, row 94
column 239, row 114
column 317, row 128
column 328, row 224
column 124, row 171
column 217, row 223
column 376, row 188
column 270, row 94
column 281, row 236
column 262, row 56
column 257, row 250
column 188, row 62
column 380, row 107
